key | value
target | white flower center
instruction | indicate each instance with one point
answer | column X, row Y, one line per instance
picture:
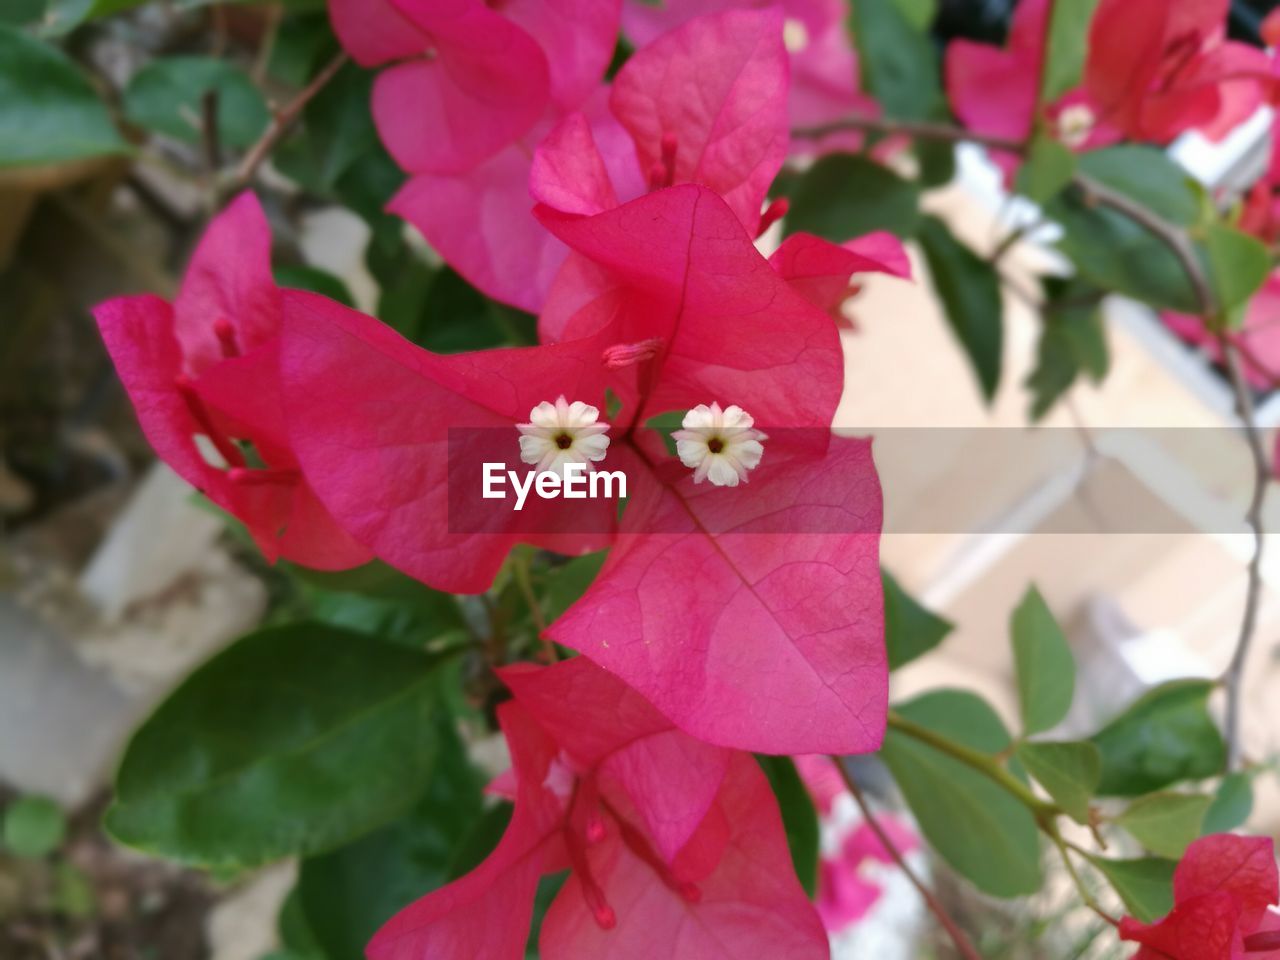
column 1075, row 123
column 795, row 35
column 560, row 433
column 719, row 445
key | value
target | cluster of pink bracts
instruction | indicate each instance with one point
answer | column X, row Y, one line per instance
column 624, row 214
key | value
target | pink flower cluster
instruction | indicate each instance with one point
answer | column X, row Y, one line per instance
column 724, row 620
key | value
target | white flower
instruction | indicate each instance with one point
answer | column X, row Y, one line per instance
column 562, row 433
column 720, row 445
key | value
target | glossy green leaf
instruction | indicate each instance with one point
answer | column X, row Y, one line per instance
column 1145, row 885
column 1232, row 804
column 1045, row 667
column 844, row 196
column 348, row 894
column 1067, row 47
column 1164, row 737
column 976, row 826
column 1068, row 770
column 34, row 826
column 910, row 630
column 970, row 293
column 898, row 60
column 1238, row 266
column 49, row 112
column 1165, row 823
column 799, row 818
column 167, row 96
column 294, row 740
column 1148, row 175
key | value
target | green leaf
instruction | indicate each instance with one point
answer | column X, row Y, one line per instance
column 898, row 60
column 299, row 276
column 1165, row 823
column 65, row 15
column 337, row 130
column 1048, row 169
column 799, row 818
column 937, row 160
column 1073, row 341
column 33, row 827
column 1238, row 266
column 1147, row 175
column 976, row 826
column 910, row 631
column 1164, row 737
column 919, row 13
column 1045, row 667
column 167, row 96
column 569, row 582
column 348, row 894
column 1068, row 770
column 1232, row 804
column 844, row 196
column 1145, row 885
column 49, row 112
column 294, row 740
column 1068, row 44
column 970, row 293
column 21, row 12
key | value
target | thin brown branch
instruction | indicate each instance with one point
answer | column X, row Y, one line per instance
column 1233, row 679
column 917, row 130
column 958, row 937
column 283, row 120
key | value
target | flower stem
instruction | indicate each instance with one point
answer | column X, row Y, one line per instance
column 958, row 936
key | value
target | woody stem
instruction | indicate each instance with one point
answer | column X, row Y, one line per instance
column 958, row 936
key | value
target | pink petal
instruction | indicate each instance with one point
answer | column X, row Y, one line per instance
column 992, row 91
column 865, row 844
column 844, row 897
column 228, row 279
column 482, row 225
column 716, row 90
column 750, row 903
column 820, row 271
column 374, row 32
column 578, row 38
column 485, row 86
column 1243, row 867
column 670, row 778
column 1202, row 928
column 390, row 436
column 683, row 269
column 569, row 173
column 763, row 637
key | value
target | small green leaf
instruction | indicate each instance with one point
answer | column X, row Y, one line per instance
column 1165, row 823
column 799, row 818
column 569, row 582
column 1048, row 169
column 1147, row 175
column 49, row 112
column 1073, row 341
column 1068, row 44
column 1164, row 737
column 1046, row 669
column 1145, row 885
column 898, row 60
column 970, row 292
column 34, row 827
column 983, row 832
column 1068, row 770
column 1238, row 266
column 299, row 276
column 844, row 196
column 1232, row 804
column 910, row 631
column 168, row 96
column 294, row 740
